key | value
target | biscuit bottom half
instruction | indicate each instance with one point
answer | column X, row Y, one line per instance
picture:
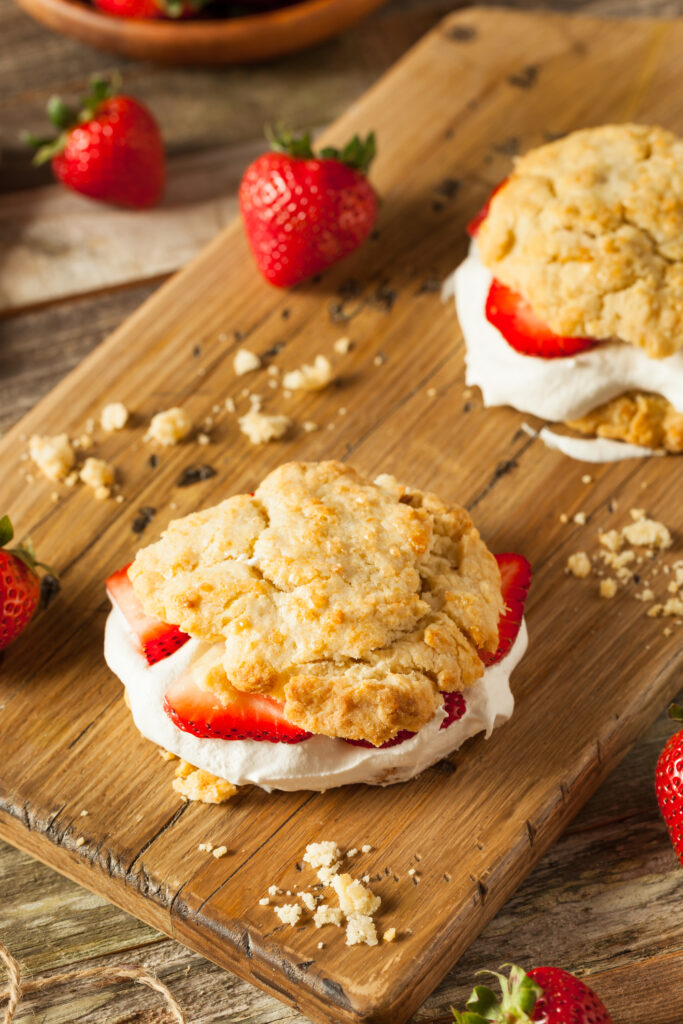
column 642, row 419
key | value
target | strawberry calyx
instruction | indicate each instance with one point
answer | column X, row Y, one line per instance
column 24, row 552
column 675, row 713
column 65, row 117
column 357, row 153
column 515, row 1004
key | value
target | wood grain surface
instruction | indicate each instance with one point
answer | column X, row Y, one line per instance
column 562, row 883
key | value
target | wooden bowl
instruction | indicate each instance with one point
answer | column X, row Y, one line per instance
column 238, row 40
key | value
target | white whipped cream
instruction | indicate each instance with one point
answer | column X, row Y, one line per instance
column 318, row 763
column 553, row 389
column 594, row 449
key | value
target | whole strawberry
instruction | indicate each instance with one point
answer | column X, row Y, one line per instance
column 669, row 783
column 303, row 212
column 111, row 149
column 19, row 585
column 548, row 995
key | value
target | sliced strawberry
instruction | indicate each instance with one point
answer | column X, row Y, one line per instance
column 157, row 639
column 249, row 716
column 472, row 228
column 455, row 707
column 523, row 330
column 515, row 574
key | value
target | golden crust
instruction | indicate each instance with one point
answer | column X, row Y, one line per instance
column 355, row 602
column 197, row 784
column 644, row 419
column 589, row 229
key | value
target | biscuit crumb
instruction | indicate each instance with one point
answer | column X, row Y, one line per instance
column 361, row 929
column 308, row 900
column 326, row 914
column 353, row 896
column 113, row 417
column 97, row 474
column 564, row 518
column 53, row 456
column 580, row 518
column 264, row 901
column 309, row 377
column 261, row 428
column 586, row 478
column 245, row 361
column 352, row 852
column 389, row 935
column 579, row 564
column 169, row 427
column 230, row 405
column 166, row 755
column 366, row 848
column 323, row 854
column 80, row 841
column 289, row 913
column 411, row 871
column 612, row 540
column 645, row 595
column 431, row 392
column 220, row 851
column 205, row 847
column 647, row 533
column 273, row 890
column 608, row 587
column 84, row 814
column 343, row 345
column 309, row 426
column 321, row 945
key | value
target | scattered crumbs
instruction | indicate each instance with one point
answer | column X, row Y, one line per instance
column 645, row 595
column 308, row 900
column 564, row 518
column 309, row 377
column 146, row 514
column 272, row 384
column 261, row 427
column 353, row 896
column 230, row 405
column 379, row 359
column 411, row 871
column 352, row 852
column 342, row 346
column 667, row 631
column 365, row 878
column 431, row 392
column 580, row 518
column 361, row 929
column 326, row 873
column 579, row 564
column 54, row 496
column 366, row 848
column 273, row 890
column 586, row 478
column 321, row 945
column 169, row 427
column 326, row 914
column 84, row 814
column 113, row 417
column 323, row 854
column 611, row 539
column 119, row 499
column 288, row 893
column 166, row 755
column 389, row 935
column 342, row 410
column 608, row 587
column 98, row 475
column 203, row 438
column 80, row 841
column 245, row 361
column 264, row 901
column 54, row 456
column 220, row 851
column 647, row 533
column 193, row 474
column 222, row 337
column 309, row 426
column 289, row 913
column 201, row 372
column 206, row 847
column 330, row 426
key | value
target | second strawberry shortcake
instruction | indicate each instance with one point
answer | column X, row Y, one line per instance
column 327, row 629
column 571, row 298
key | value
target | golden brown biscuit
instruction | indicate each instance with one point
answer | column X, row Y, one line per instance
column 643, row 419
column 355, row 602
column 589, row 229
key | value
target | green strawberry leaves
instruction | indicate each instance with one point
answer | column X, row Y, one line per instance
column 357, row 153
column 6, row 531
column 65, row 117
column 519, row 994
column 675, row 712
column 24, row 552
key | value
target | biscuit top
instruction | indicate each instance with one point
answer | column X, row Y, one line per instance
column 354, row 602
column 589, row 229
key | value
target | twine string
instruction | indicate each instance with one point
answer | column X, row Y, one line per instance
column 18, row 988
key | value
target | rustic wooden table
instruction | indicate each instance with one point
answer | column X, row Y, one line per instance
column 606, row 901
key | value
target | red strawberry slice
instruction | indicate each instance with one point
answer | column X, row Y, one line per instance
column 249, row 716
column 157, row 639
column 515, row 573
column 472, row 228
column 523, row 330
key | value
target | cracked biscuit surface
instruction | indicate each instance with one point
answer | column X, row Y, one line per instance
column 354, row 602
column 589, row 229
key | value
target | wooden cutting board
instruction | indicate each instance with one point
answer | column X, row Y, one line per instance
column 485, row 84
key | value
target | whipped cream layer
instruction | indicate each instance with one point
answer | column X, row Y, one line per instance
column 553, row 389
column 318, row 763
column 593, row 449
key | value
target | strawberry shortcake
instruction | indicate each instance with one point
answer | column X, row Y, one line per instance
column 325, row 630
column 571, row 297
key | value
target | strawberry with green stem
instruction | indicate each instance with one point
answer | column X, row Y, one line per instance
column 110, row 149
column 303, row 212
column 147, row 9
column 20, row 584
column 547, row 995
column 669, row 783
